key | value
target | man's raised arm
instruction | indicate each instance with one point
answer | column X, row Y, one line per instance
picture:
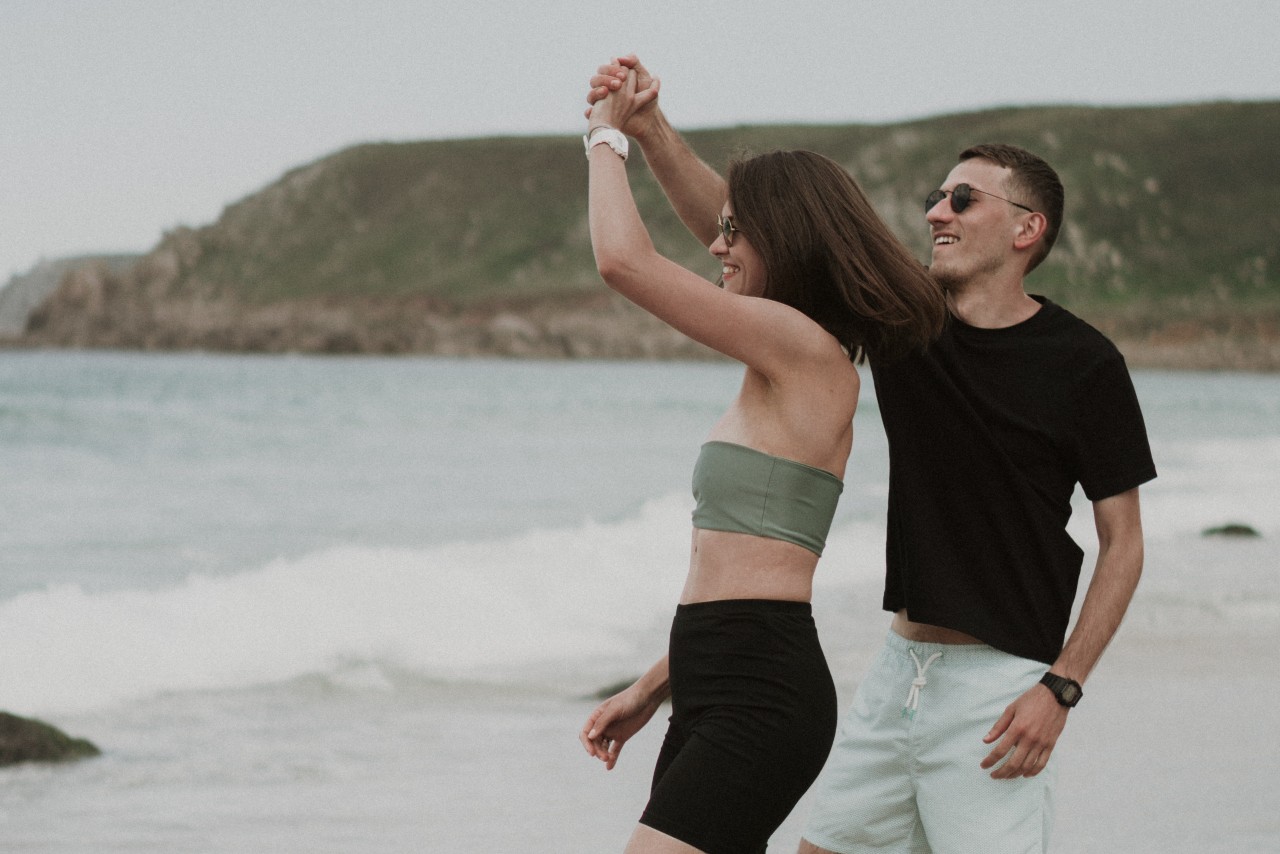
column 694, row 189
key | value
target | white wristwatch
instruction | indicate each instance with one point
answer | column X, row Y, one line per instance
column 607, row 136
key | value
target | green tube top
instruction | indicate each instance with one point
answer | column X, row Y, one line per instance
column 747, row 491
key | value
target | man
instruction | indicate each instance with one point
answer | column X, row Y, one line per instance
column 948, row 744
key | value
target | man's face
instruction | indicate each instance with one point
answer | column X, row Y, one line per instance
column 977, row 243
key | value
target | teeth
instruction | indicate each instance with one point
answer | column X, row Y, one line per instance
column 944, row 239
column 726, row 270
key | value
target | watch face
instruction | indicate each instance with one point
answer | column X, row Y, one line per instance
column 1066, row 691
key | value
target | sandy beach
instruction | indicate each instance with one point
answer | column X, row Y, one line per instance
column 1174, row 752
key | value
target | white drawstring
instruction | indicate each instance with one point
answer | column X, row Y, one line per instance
column 913, row 697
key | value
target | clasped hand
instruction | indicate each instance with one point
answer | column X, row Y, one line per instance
column 623, row 95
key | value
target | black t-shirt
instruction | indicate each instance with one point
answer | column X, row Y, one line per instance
column 989, row 432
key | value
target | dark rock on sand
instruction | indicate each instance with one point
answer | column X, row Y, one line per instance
column 1233, row 529
column 608, row 691
column 28, row 740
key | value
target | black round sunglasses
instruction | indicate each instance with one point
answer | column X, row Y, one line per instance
column 961, row 196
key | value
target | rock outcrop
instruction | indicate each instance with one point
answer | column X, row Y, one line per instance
column 24, row 293
column 29, row 740
column 1231, row 529
column 97, row 307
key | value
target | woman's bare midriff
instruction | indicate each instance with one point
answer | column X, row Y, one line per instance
column 926, row 633
column 726, row 565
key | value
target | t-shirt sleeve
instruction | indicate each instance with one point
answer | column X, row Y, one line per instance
column 1112, row 450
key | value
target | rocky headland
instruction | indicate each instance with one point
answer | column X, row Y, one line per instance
column 481, row 248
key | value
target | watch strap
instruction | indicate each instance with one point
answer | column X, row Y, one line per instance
column 605, row 135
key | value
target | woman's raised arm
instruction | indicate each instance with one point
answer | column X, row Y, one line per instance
column 763, row 334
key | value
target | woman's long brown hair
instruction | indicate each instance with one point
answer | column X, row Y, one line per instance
column 828, row 254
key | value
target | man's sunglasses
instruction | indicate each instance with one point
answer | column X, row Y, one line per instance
column 727, row 228
column 961, row 196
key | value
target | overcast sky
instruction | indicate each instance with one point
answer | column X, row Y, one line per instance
column 120, row 119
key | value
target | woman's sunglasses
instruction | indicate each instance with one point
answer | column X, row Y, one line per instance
column 727, row 228
column 961, row 196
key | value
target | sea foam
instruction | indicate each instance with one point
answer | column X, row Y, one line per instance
column 469, row 610
column 593, row 599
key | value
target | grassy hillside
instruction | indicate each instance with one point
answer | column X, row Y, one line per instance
column 1163, row 203
column 1170, row 239
column 455, row 220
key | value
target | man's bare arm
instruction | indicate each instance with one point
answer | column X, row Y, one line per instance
column 1030, row 726
column 1115, row 577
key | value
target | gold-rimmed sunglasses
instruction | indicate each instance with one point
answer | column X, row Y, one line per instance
column 727, row 228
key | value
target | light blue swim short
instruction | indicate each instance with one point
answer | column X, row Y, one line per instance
column 904, row 776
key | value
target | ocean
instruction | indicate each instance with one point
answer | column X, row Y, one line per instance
column 329, row 604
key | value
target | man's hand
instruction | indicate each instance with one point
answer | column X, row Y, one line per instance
column 1030, row 727
column 1033, row 722
column 639, row 114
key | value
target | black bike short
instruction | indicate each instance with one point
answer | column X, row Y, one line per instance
column 753, row 718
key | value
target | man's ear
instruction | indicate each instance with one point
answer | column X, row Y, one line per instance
column 1030, row 229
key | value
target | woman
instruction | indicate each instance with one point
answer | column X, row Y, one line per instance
column 812, row 281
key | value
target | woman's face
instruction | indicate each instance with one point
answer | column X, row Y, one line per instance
column 741, row 267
